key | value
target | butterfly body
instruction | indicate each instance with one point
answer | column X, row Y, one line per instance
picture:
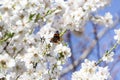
column 56, row 38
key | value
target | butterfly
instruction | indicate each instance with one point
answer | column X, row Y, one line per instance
column 56, row 38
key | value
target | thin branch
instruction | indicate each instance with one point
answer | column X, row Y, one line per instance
column 97, row 40
column 70, row 45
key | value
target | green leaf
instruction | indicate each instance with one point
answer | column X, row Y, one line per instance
column 37, row 17
column 0, row 17
column 49, row 12
column 6, row 37
column 31, row 16
column 10, row 35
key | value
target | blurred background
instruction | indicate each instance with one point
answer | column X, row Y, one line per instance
column 92, row 42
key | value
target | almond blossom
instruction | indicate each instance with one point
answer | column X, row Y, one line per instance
column 25, row 55
column 91, row 71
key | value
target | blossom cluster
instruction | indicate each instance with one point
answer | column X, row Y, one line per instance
column 90, row 70
column 103, row 20
column 26, row 55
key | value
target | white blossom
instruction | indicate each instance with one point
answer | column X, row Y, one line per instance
column 108, row 57
column 6, row 61
column 91, row 71
column 117, row 35
column 19, row 67
column 62, row 49
column 106, row 20
column 1, row 35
